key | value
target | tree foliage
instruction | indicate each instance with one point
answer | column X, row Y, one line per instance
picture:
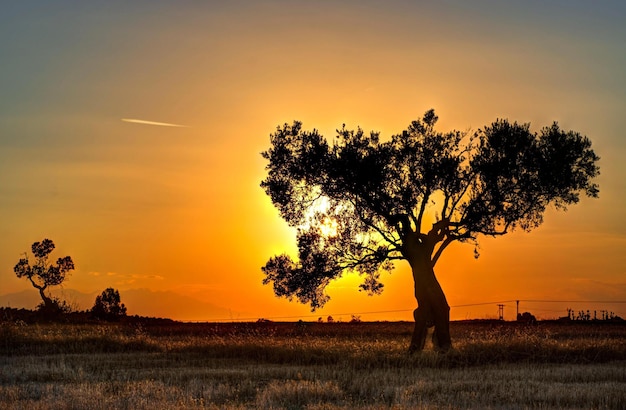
column 43, row 273
column 108, row 306
column 353, row 200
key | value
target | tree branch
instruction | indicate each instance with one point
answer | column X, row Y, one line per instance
column 420, row 215
column 372, row 225
column 442, row 247
column 40, row 287
column 446, row 200
column 470, row 182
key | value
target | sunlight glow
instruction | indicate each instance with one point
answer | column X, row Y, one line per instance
column 328, row 226
column 169, row 200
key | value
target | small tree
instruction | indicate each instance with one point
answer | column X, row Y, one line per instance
column 43, row 273
column 360, row 204
column 108, row 305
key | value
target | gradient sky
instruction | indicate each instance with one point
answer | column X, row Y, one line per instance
column 141, row 205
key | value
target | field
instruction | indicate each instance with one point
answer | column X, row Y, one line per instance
column 158, row 365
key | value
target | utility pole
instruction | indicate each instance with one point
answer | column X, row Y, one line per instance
column 517, row 310
column 501, row 312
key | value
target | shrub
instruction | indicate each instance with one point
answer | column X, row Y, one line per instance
column 108, row 306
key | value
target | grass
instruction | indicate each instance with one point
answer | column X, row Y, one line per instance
column 141, row 365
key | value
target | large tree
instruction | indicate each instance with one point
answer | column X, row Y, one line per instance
column 43, row 273
column 360, row 203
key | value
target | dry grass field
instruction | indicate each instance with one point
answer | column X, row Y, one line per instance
column 161, row 365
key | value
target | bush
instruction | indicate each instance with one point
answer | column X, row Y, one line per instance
column 53, row 309
column 108, row 306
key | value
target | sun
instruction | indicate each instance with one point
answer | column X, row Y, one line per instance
column 318, row 215
column 329, row 227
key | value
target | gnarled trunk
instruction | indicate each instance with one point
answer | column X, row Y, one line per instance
column 47, row 302
column 433, row 309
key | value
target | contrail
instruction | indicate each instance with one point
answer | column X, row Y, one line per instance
column 161, row 124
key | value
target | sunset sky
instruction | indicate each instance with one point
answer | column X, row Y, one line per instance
column 131, row 133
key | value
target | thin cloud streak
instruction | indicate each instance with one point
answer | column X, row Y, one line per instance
column 145, row 122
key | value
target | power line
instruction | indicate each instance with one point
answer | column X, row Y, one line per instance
column 410, row 310
column 572, row 301
column 483, row 303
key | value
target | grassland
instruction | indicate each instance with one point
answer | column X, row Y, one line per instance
column 146, row 365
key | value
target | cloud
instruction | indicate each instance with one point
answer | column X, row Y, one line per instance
column 127, row 278
column 146, row 122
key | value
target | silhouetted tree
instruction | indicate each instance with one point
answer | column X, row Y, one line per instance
column 359, row 203
column 526, row 317
column 108, row 305
column 43, row 273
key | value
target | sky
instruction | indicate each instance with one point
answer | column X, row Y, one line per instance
column 131, row 133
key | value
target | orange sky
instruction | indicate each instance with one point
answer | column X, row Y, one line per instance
column 179, row 209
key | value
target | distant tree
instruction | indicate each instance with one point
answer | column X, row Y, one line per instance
column 526, row 317
column 108, row 306
column 360, row 203
column 43, row 274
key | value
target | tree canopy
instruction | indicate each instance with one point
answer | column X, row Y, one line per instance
column 108, row 305
column 43, row 273
column 354, row 199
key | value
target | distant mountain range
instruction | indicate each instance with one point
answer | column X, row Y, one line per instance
column 142, row 302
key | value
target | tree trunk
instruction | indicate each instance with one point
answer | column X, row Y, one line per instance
column 47, row 302
column 433, row 309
